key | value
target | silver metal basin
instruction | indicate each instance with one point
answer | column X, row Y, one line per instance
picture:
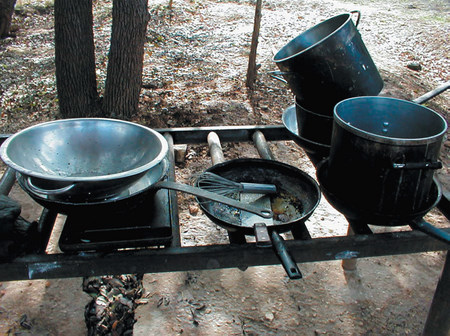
column 84, row 158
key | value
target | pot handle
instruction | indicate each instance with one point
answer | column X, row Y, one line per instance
column 286, row 258
column 277, row 74
column 431, row 230
column 42, row 191
column 418, row 165
column 358, row 18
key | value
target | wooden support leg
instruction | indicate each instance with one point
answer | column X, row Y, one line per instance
column 349, row 264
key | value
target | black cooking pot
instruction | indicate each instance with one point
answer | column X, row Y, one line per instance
column 361, row 215
column 316, row 151
column 313, row 126
column 328, row 63
column 297, row 197
column 383, row 153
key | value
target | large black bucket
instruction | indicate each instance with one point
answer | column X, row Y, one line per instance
column 328, row 63
column 383, row 154
column 313, row 126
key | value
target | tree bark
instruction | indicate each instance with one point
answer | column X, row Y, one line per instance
column 126, row 57
column 6, row 12
column 75, row 59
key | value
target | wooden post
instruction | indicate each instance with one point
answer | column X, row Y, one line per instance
column 349, row 264
column 251, row 72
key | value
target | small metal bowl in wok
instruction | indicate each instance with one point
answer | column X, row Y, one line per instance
column 85, row 158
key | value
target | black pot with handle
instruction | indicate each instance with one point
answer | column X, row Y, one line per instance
column 328, row 63
column 384, row 152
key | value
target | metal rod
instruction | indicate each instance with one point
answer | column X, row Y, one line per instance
column 427, row 96
column 45, row 227
column 7, row 181
column 262, row 146
column 215, row 148
column 438, row 321
column 197, row 135
column 47, row 266
column 174, row 214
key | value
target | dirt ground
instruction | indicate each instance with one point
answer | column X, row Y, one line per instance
column 194, row 75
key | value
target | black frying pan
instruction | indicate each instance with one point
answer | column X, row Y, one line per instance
column 297, row 197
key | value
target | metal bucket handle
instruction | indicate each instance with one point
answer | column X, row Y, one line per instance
column 418, row 165
column 358, row 16
column 277, row 74
column 47, row 192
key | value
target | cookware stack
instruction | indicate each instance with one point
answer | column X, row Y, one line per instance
column 322, row 66
column 375, row 156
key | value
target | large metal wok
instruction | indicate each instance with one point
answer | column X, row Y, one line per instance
column 297, row 197
column 84, row 159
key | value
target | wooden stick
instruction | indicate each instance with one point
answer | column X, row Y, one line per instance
column 251, row 72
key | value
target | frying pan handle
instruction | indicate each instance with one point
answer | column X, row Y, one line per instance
column 358, row 18
column 418, row 165
column 262, row 235
column 286, row 258
column 431, row 230
column 42, row 191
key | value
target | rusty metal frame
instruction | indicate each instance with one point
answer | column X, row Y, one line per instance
column 238, row 253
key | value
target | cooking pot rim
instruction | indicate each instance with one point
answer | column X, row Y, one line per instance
column 316, row 114
column 68, row 179
column 386, row 139
column 279, row 60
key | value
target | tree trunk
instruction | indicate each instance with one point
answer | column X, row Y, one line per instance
column 251, row 70
column 6, row 12
column 126, row 57
column 75, row 59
